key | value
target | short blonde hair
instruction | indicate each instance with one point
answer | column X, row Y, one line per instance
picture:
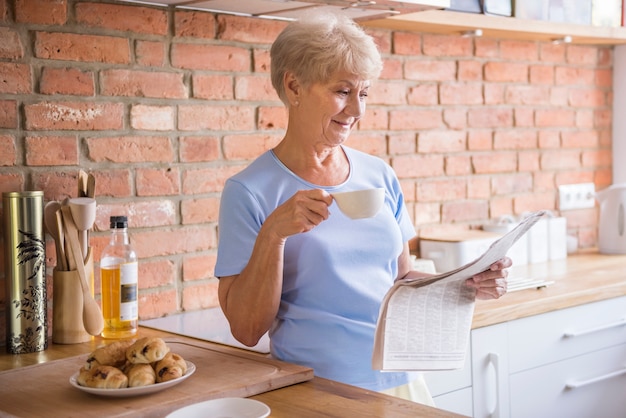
column 317, row 46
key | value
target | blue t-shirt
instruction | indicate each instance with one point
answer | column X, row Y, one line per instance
column 335, row 276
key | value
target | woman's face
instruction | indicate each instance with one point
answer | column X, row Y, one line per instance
column 331, row 109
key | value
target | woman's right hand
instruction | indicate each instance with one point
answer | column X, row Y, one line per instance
column 301, row 213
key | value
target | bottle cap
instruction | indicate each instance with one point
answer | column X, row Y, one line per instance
column 118, row 222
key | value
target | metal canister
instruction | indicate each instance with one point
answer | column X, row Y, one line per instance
column 25, row 272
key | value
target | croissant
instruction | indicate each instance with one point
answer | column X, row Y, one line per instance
column 102, row 377
column 140, row 374
column 171, row 367
column 113, row 354
column 147, row 350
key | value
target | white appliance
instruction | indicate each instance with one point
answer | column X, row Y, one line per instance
column 611, row 232
column 451, row 250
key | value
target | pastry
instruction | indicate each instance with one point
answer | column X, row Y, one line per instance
column 171, row 367
column 113, row 354
column 140, row 374
column 102, row 377
column 147, row 350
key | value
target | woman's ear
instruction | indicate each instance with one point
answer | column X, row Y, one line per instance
column 292, row 88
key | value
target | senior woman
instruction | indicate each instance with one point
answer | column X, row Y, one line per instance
column 288, row 260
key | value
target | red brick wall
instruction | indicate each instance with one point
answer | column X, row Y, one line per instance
column 162, row 106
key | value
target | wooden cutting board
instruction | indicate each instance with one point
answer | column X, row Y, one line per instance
column 45, row 390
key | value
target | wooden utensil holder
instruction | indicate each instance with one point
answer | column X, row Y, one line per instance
column 67, row 305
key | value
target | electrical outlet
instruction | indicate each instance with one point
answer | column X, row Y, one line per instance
column 577, row 196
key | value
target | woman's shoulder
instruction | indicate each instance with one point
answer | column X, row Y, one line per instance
column 362, row 158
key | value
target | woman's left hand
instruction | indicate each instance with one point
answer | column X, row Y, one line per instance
column 491, row 284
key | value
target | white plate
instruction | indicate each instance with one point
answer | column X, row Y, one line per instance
column 142, row 390
column 224, row 407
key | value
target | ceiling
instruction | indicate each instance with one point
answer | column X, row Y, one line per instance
column 293, row 9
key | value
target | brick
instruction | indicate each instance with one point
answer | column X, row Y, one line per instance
column 549, row 139
column 527, row 95
column 486, row 48
column 514, row 139
column 392, row 69
column 43, row 12
column 157, row 182
column 199, row 148
column 213, row 87
column 136, row 19
column 518, row 50
column 74, row 116
column 51, row 150
column 415, row 119
column 500, row 206
column 541, row 74
column 142, row 84
column 554, row 117
column 210, row 57
column 597, row 158
column 407, row 43
column 470, row 70
column 455, row 118
column 533, row 202
column 490, row 117
column 529, row 161
column 157, row 304
column 560, row 160
column 130, row 149
column 200, row 297
column 208, row 180
column 553, row 53
column 194, row 24
column 387, row 93
column 486, row 164
column 57, row 184
column 559, row 96
column 587, row 97
column 494, row 93
column 478, row 187
column 275, row 117
column 150, row 54
column 447, row 46
column 375, row 118
column 154, row 274
column 254, row 88
column 15, row 78
column 580, row 139
column 185, row 240
column 8, row 156
column 71, row 81
column 465, row 211
column 197, row 211
column 430, row 70
column 417, row 165
column 461, row 93
column 511, row 72
column 217, row 118
column 602, row 118
column 480, row 140
column 4, row 6
column 248, row 29
column 441, row 190
column 11, row 46
column 246, row 147
column 11, row 182
column 458, row 165
column 581, row 55
column 427, row 213
column 543, row 181
column 524, row 117
column 573, row 76
column 382, row 39
column 402, row 143
column 262, row 61
column 141, row 214
column 86, row 48
column 113, row 183
column 512, row 183
column 198, row 267
column 374, row 144
column 423, row 94
column 8, row 114
column 153, row 118
column 604, row 78
column 441, row 141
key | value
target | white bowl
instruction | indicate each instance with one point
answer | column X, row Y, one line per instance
column 223, row 407
column 360, row 203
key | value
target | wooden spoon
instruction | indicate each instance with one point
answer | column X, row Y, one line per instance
column 50, row 219
column 92, row 315
column 84, row 214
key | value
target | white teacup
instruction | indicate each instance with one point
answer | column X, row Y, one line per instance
column 360, row 203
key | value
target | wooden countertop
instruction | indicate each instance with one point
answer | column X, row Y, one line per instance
column 313, row 398
column 581, row 278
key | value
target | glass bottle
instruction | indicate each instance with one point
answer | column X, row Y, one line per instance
column 119, row 275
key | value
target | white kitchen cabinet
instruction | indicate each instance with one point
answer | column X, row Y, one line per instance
column 452, row 389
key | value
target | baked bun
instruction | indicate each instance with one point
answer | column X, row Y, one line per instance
column 147, row 350
column 140, row 374
column 171, row 367
column 102, row 377
column 113, row 354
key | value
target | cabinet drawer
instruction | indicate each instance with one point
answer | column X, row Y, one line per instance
column 440, row 382
column 459, row 402
column 566, row 333
column 543, row 392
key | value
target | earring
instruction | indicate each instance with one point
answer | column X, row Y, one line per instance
column 296, row 103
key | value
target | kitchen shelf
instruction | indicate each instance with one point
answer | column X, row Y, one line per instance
column 449, row 22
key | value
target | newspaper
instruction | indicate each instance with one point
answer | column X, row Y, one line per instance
column 425, row 323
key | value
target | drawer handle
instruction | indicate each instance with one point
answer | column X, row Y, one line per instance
column 615, row 324
column 575, row 384
column 494, row 361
